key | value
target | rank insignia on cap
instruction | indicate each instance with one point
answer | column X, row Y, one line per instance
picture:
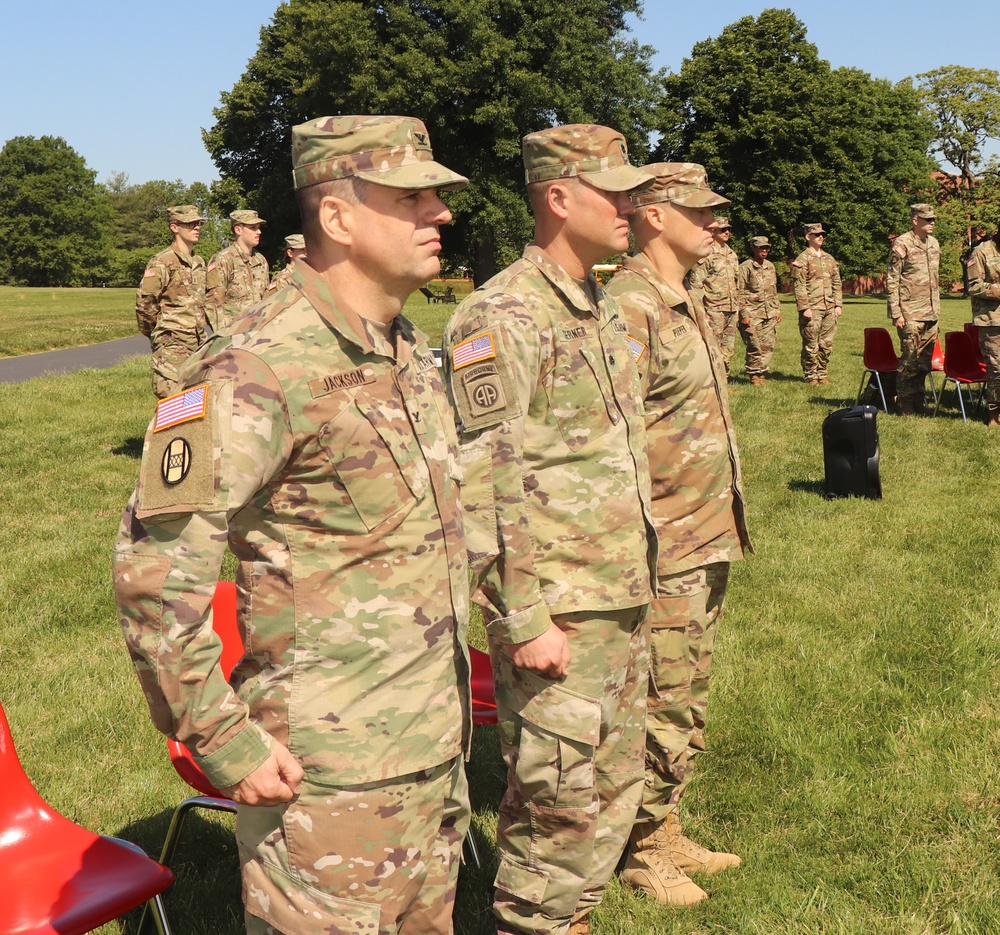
column 473, row 351
column 636, row 347
column 184, row 407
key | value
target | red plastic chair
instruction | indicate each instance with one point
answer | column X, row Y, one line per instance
column 937, row 366
column 484, row 702
column 57, row 878
column 973, row 332
column 961, row 368
column 879, row 357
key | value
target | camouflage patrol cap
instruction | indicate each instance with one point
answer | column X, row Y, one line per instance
column 295, row 242
column 681, row 183
column 813, row 229
column 722, row 223
column 391, row 151
column 923, row 210
column 759, row 242
column 595, row 153
column 183, row 214
column 246, row 217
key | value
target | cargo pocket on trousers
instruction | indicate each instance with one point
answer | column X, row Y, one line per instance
column 526, row 883
column 292, row 906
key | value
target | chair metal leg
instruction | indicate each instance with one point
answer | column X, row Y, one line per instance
column 881, row 392
column 930, row 378
column 961, row 401
column 944, row 386
column 861, row 386
column 159, row 916
column 470, row 846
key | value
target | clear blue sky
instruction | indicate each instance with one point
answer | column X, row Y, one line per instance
column 129, row 85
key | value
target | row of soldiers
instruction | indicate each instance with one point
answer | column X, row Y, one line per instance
column 181, row 302
column 745, row 295
column 576, row 463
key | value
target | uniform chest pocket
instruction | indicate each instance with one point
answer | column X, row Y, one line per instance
column 578, row 399
column 376, row 458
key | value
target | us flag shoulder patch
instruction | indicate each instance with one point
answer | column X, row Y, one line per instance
column 636, row 347
column 473, row 351
column 184, row 407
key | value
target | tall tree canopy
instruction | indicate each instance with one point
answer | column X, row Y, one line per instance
column 54, row 218
column 480, row 73
column 791, row 140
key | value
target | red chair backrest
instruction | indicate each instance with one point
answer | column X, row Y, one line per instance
column 225, row 624
column 937, row 358
column 973, row 332
column 484, row 703
column 960, row 358
column 19, row 799
column 879, row 354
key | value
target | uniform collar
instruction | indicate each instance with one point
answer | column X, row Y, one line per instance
column 640, row 265
column 561, row 281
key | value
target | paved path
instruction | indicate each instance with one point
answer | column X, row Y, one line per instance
column 93, row 356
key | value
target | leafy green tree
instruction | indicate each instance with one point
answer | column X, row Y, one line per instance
column 791, row 140
column 479, row 73
column 55, row 220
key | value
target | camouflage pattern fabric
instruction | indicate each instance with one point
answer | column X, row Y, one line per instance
column 715, row 275
column 699, row 511
column 236, row 281
column 170, row 311
column 816, row 278
column 574, row 753
column 281, row 279
column 685, row 621
column 391, row 849
column 916, row 346
column 989, row 345
column 984, row 289
column 558, row 519
column 912, row 278
column 597, row 153
column 757, row 289
column 760, row 337
column 324, row 453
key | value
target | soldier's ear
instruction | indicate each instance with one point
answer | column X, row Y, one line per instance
column 336, row 219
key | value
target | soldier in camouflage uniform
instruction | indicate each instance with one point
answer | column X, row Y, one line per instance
column 715, row 276
column 698, row 509
column 760, row 310
column 295, row 249
column 556, row 501
column 237, row 275
column 820, row 302
column 984, row 288
column 317, row 440
column 914, row 301
column 170, row 303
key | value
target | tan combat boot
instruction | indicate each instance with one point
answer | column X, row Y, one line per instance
column 757, row 380
column 906, row 406
column 651, row 868
column 579, row 926
column 994, row 417
column 693, row 857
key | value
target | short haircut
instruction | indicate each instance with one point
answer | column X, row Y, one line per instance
column 538, row 191
column 352, row 190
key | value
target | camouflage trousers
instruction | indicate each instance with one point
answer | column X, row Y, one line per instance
column 723, row 325
column 989, row 344
column 817, row 342
column 357, row 860
column 759, row 337
column 574, row 754
column 169, row 351
column 916, row 350
column 684, row 625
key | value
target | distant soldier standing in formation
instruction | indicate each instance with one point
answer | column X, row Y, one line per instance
column 170, row 304
column 715, row 275
column 984, row 288
column 698, row 510
column 914, row 301
column 561, row 538
column 237, row 275
column 760, row 310
column 295, row 249
column 820, row 302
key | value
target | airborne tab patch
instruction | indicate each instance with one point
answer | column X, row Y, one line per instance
column 473, row 351
column 183, row 407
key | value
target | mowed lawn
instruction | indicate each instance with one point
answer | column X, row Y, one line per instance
column 855, row 720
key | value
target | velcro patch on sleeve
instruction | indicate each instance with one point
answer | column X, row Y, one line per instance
column 149, row 272
column 637, row 348
column 484, row 391
column 481, row 347
column 182, row 407
column 900, row 250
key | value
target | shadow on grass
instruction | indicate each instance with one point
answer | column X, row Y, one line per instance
column 817, row 487
column 131, row 448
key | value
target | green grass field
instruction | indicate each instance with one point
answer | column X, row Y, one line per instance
column 855, row 721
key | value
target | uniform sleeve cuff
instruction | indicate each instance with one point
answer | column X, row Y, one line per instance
column 522, row 626
column 237, row 758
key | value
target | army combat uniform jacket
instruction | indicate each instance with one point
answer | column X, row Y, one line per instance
column 757, row 286
column 171, row 299
column 236, row 281
column 817, row 281
column 715, row 275
column 281, row 279
column 698, row 503
column 984, row 283
column 912, row 278
column 556, row 496
column 326, row 456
